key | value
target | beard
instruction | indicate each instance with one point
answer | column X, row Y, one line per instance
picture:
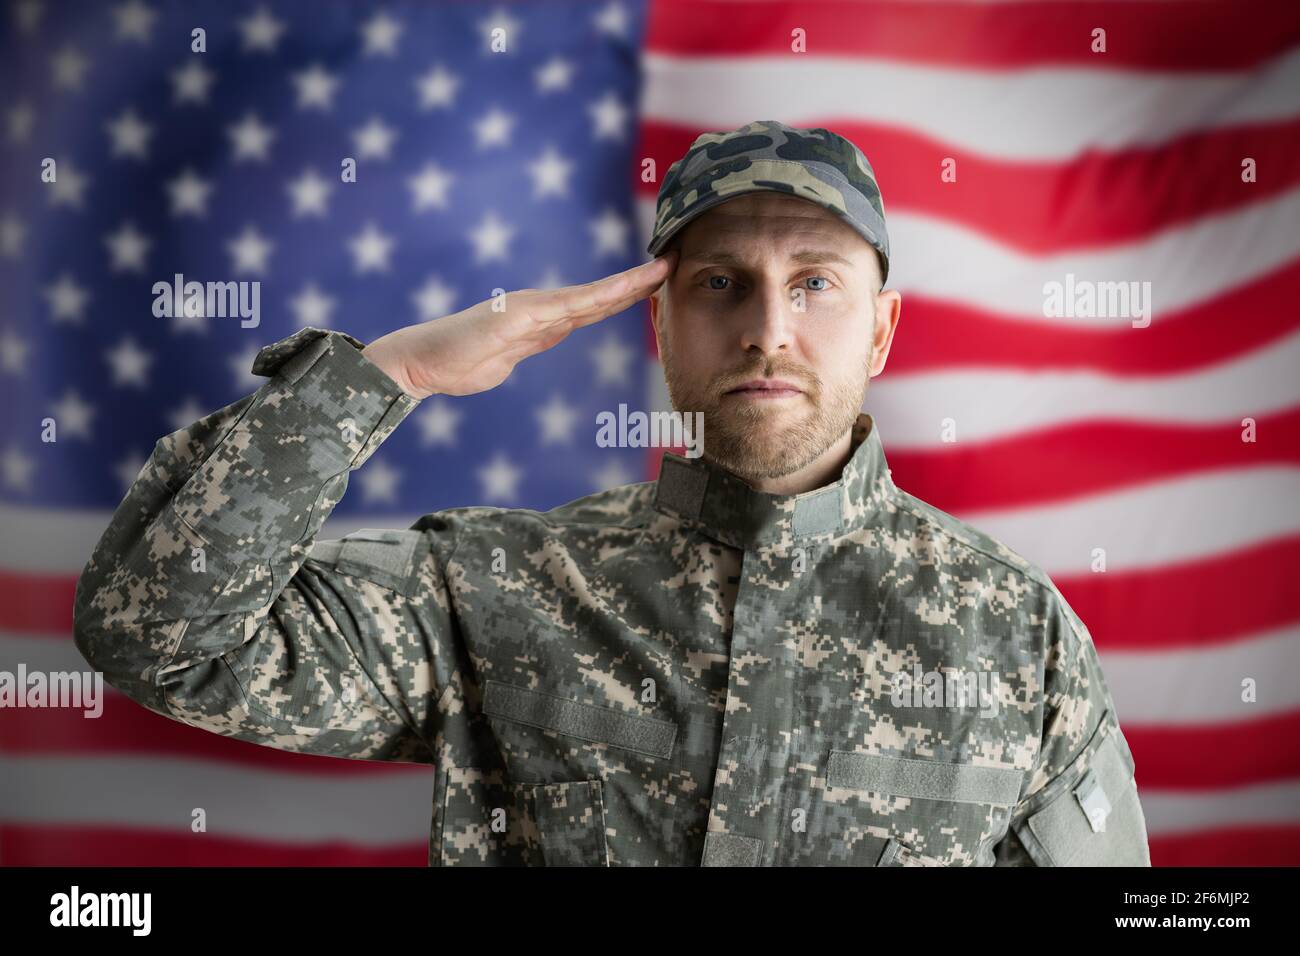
column 754, row 440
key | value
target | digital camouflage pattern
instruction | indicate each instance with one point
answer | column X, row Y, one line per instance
column 677, row 672
column 813, row 164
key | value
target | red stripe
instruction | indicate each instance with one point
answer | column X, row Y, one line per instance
column 936, row 336
column 1191, row 36
column 29, row 845
column 36, row 604
column 1089, row 458
column 1098, row 199
column 1263, row 845
column 1211, row 756
column 1191, row 604
column 125, row 727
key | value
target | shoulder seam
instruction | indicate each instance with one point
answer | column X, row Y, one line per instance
column 905, row 500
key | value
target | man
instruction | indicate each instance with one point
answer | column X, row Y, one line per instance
column 769, row 656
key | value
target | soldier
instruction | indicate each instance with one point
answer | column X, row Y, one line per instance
column 769, row 656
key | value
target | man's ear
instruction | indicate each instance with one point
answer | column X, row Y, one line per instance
column 656, row 316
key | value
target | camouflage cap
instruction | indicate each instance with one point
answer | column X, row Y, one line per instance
column 813, row 164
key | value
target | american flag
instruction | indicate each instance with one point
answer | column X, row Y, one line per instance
column 1016, row 146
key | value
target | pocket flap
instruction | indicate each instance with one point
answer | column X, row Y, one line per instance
column 386, row 557
column 604, row 725
column 927, row 779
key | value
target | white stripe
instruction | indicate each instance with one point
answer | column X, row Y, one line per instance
column 241, row 802
column 1202, row 685
column 1024, row 114
column 1157, row 524
column 394, row 808
column 912, row 408
column 1173, row 812
column 58, row 541
column 1175, row 687
column 1186, row 264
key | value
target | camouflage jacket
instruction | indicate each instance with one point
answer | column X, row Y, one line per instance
column 678, row 672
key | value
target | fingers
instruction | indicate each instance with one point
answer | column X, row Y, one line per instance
column 592, row 301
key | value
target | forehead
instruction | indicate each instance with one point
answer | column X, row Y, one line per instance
column 771, row 217
column 771, row 223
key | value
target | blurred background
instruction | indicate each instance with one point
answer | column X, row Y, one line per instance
column 1148, row 459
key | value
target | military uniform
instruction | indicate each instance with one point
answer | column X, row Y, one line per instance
column 677, row 672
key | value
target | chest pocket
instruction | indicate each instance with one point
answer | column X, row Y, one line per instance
column 386, row 557
column 922, row 812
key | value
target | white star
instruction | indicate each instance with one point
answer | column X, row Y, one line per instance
column 500, row 480
column 555, row 75
column 309, row 193
column 261, row 31
column 28, row 14
column 185, row 415
column 316, row 88
column 189, row 194
column 374, row 140
column 128, row 469
column 490, row 238
column 21, row 119
column 610, row 117
column 500, row 20
column 130, row 135
column 371, row 249
column 191, row 83
column 67, row 300
column 72, row 416
column 312, row 307
column 12, row 233
column 433, row 300
column 67, row 188
column 611, row 358
column 241, row 366
column 130, row 364
column 438, row 420
column 17, row 468
column 430, row 187
column 611, row 475
column 550, row 174
column 494, row 129
column 612, row 20
column 378, row 481
column 249, row 252
column 251, row 138
column 436, row 88
column 380, row 35
column 134, row 21
column 610, row 232
column 69, row 69
column 557, row 419
column 13, row 351
column 127, row 248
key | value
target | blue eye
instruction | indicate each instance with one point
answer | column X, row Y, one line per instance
column 818, row 278
column 717, row 288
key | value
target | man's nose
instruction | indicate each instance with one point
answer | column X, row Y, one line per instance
column 766, row 319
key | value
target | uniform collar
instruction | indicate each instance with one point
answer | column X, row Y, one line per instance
column 729, row 510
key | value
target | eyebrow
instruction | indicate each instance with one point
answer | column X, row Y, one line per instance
column 725, row 257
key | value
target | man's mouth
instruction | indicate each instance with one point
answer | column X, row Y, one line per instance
column 766, row 389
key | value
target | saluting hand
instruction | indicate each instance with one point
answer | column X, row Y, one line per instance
column 475, row 349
